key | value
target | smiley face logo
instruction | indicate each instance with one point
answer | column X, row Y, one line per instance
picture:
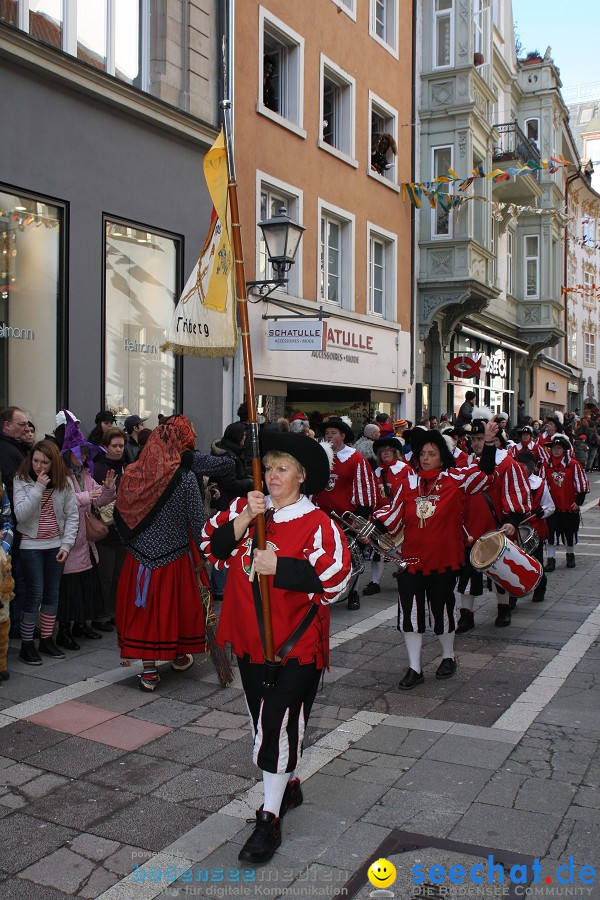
column 382, row 873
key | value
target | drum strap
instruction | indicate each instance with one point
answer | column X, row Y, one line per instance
column 487, row 499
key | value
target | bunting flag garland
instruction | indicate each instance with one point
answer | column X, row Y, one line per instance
column 584, row 290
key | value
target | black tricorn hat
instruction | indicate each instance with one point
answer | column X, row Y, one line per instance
column 422, row 436
column 382, row 442
column 337, row 422
column 311, row 455
column 563, row 440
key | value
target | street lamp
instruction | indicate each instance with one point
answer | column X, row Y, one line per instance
column 282, row 238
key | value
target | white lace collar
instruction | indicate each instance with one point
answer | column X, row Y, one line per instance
column 294, row 511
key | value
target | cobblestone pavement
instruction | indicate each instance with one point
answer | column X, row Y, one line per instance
column 97, row 778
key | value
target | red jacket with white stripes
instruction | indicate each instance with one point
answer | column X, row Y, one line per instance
column 538, row 450
column 351, row 483
column 430, row 506
column 510, row 495
column 388, row 480
column 541, row 500
column 313, row 567
column 566, row 481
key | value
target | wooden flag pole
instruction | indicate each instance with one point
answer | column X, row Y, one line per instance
column 240, row 286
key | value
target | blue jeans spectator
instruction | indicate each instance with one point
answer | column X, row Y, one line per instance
column 42, row 574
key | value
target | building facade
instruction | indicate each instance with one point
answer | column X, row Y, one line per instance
column 490, row 271
column 323, row 112
column 110, row 107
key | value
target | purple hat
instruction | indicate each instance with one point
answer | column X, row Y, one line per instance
column 74, row 441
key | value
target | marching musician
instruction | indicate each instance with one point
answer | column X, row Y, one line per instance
column 568, row 486
column 351, row 485
column 528, row 444
column 429, row 504
column 388, row 475
column 500, row 507
column 307, row 562
column 454, row 432
column 542, row 507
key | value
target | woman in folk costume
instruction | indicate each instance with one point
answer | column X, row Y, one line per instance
column 390, row 471
column 159, row 515
column 568, row 486
column 429, row 504
column 307, row 562
column 80, row 593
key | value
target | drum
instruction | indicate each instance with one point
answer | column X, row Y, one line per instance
column 530, row 539
column 506, row 564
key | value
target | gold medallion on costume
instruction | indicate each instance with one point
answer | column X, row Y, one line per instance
column 425, row 508
column 558, row 478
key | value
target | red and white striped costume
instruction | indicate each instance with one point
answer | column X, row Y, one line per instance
column 541, row 499
column 510, row 495
column 539, row 450
column 566, row 479
column 388, row 480
column 298, row 532
column 430, row 506
column 462, row 458
column 351, row 484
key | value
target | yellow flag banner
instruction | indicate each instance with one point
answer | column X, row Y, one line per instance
column 204, row 321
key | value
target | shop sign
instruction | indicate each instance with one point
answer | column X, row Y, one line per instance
column 464, row 366
column 349, row 339
column 551, row 386
column 495, row 365
column 21, row 334
column 137, row 347
column 296, row 334
column 336, row 357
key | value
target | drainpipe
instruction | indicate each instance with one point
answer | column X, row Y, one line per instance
column 570, row 179
column 413, row 241
column 184, row 99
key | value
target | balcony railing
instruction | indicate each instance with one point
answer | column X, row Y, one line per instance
column 514, row 145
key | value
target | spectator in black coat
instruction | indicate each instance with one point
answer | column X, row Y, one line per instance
column 236, row 484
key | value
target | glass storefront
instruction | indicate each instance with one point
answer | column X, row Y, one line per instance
column 142, row 285
column 31, row 249
column 493, row 388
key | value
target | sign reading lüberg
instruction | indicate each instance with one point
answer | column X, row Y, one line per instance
column 297, row 334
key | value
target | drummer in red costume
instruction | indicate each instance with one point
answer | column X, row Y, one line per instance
column 568, row 486
column 499, row 508
column 542, row 507
column 308, row 564
column 351, row 485
column 429, row 504
column 388, row 475
column 527, row 443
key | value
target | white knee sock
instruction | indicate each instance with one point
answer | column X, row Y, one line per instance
column 551, row 551
column 467, row 601
column 274, row 786
column 502, row 599
column 413, row 643
column 376, row 571
column 447, row 642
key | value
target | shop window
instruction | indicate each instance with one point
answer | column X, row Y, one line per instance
column 589, row 348
column 441, row 223
column 110, row 35
column 281, row 70
column 336, row 273
column 337, row 110
column 383, row 137
column 272, row 196
column 382, row 272
column 383, row 24
column 142, row 285
column 509, row 262
column 31, row 313
column 443, row 33
column 532, row 265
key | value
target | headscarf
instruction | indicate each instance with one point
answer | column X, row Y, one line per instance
column 147, row 483
column 74, row 442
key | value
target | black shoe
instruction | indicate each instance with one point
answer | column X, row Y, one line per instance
column 503, row 617
column 49, row 648
column 64, row 638
column 550, row 565
column 446, row 668
column 28, row 654
column 538, row 596
column 4, row 676
column 570, row 560
column 81, row 629
column 264, row 840
column 411, row 680
column 371, row 588
column 353, row 600
column 102, row 626
column 292, row 797
column 512, row 602
column 466, row 621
